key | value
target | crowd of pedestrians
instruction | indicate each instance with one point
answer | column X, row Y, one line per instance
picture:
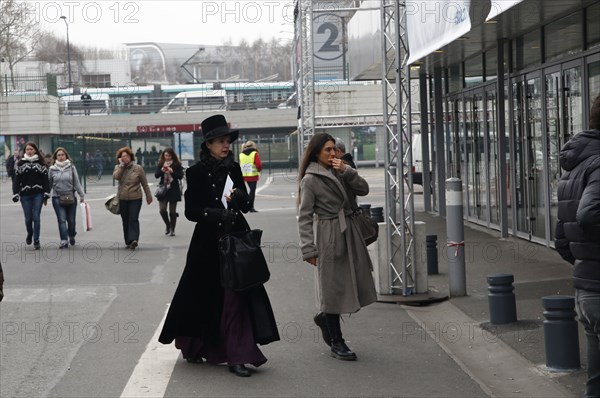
column 228, row 326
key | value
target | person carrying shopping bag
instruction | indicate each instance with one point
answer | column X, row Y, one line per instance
column 64, row 181
column 170, row 172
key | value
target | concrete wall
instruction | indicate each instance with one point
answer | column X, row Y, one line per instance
column 29, row 115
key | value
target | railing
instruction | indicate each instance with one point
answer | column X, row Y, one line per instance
column 18, row 84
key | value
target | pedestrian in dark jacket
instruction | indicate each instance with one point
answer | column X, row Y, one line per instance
column 206, row 320
column 32, row 188
column 170, row 172
column 578, row 234
column 340, row 153
column 11, row 164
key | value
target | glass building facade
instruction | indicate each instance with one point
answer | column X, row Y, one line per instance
column 501, row 100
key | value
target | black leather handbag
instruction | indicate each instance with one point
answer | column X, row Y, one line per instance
column 243, row 264
column 368, row 226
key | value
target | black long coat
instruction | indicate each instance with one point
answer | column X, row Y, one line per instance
column 174, row 191
column 198, row 302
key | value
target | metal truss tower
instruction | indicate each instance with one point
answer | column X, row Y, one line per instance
column 399, row 199
column 306, row 85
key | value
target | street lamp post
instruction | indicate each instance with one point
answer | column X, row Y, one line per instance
column 68, row 51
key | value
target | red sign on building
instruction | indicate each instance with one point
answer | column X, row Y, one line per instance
column 171, row 128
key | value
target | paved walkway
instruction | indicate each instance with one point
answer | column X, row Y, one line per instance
column 441, row 350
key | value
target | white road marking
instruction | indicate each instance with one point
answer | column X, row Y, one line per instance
column 151, row 375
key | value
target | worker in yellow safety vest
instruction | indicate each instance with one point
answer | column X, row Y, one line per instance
column 251, row 168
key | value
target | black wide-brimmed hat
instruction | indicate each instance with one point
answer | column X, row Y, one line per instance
column 216, row 126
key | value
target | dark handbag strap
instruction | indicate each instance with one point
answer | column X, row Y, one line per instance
column 73, row 179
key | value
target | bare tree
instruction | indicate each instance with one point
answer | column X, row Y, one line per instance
column 19, row 34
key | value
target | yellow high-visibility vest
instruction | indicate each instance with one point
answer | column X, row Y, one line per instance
column 247, row 164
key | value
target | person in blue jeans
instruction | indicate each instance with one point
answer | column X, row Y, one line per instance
column 64, row 180
column 32, row 188
column 578, row 234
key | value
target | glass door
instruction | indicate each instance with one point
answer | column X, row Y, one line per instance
column 492, row 158
column 535, row 170
column 564, row 118
column 479, row 164
column 530, row 184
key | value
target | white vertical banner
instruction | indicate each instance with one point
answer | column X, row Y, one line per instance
column 500, row 6
column 433, row 24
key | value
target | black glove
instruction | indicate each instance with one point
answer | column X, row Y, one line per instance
column 239, row 199
column 15, row 198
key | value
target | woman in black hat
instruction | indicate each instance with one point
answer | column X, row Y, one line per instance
column 207, row 321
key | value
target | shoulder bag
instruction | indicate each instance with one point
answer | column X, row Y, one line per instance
column 368, row 227
column 68, row 199
column 243, row 264
column 161, row 191
column 112, row 202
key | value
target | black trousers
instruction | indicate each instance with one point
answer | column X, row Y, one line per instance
column 251, row 192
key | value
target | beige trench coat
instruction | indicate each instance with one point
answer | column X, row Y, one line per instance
column 344, row 279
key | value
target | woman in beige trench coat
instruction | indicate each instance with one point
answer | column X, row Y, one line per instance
column 339, row 253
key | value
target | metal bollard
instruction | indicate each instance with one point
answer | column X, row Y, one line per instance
column 455, row 230
column 561, row 338
column 501, row 299
column 377, row 213
column 432, row 255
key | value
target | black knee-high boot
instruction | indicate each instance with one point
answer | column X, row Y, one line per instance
column 165, row 218
column 339, row 349
column 173, row 223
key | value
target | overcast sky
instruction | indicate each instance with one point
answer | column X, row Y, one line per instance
column 107, row 23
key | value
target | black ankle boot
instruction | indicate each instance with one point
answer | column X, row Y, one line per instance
column 322, row 324
column 240, row 370
column 339, row 349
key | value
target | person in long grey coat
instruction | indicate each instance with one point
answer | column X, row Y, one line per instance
column 338, row 251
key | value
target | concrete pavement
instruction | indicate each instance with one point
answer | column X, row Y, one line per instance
column 442, row 350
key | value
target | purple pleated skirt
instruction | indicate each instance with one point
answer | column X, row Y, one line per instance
column 236, row 344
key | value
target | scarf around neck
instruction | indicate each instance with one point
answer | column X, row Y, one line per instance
column 168, row 178
column 33, row 158
column 62, row 165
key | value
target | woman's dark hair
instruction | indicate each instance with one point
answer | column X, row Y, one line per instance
column 57, row 150
column 595, row 114
column 161, row 159
column 127, row 150
column 311, row 153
